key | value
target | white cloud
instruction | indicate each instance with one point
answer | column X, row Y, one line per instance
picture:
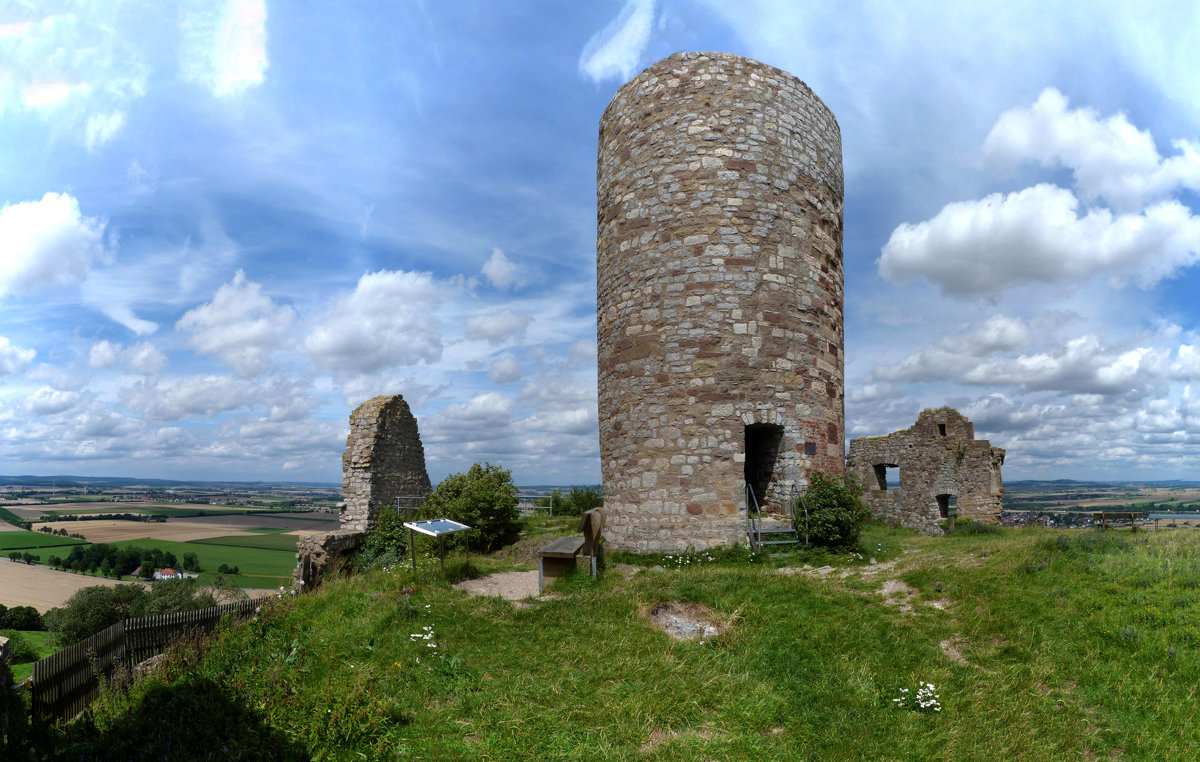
column 583, row 352
column 201, row 396
column 1110, row 158
column 388, row 320
column 47, row 243
column 505, row 370
column 103, row 354
column 225, row 45
column 497, row 327
column 14, row 359
column 985, row 247
column 241, row 325
column 500, row 270
column 146, row 359
column 614, row 52
column 101, row 128
column 48, row 401
column 74, row 66
column 123, row 315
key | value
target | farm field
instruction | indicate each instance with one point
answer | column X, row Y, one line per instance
column 306, row 522
column 42, row 587
column 30, row 514
column 6, row 527
column 272, row 541
column 119, row 530
column 272, row 566
column 22, row 540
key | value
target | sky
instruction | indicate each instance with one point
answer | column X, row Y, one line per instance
column 226, row 223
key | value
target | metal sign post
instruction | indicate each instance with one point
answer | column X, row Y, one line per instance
column 438, row 528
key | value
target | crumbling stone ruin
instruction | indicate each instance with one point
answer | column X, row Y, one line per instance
column 384, row 460
column 719, row 290
column 940, row 464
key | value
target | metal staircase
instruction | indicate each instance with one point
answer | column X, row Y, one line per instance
column 762, row 533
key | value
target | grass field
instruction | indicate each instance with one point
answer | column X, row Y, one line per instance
column 1042, row 645
column 258, row 567
column 32, row 540
column 273, row 541
column 43, row 642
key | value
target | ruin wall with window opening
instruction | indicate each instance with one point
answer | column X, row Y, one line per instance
column 939, row 464
column 719, row 297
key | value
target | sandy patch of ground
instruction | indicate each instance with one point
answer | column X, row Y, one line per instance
column 663, row 735
column 897, row 592
column 42, row 587
column 118, row 530
column 953, row 649
column 511, row 586
column 686, row 621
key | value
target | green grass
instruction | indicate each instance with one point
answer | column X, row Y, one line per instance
column 43, row 642
column 272, row 541
column 258, row 567
column 1042, row 644
column 33, row 540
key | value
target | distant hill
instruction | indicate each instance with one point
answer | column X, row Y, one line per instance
column 116, row 482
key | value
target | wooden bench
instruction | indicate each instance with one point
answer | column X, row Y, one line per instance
column 1104, row 516
column 558, row 559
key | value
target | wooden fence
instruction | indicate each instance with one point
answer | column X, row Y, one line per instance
column 64, row 683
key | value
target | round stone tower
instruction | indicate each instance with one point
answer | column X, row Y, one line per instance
column 719, row 295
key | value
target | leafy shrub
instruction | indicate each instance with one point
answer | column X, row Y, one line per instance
column 91, row 609
column 386, row 543
column 20, row 650
column 574, row 502
column 20, row 618
column 484, row 498
column 835, row 511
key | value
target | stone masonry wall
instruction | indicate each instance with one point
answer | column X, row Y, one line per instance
column 384, row 459
column 938, row 455
column 719, row 289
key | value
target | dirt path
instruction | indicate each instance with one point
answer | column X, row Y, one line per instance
column 512, row 586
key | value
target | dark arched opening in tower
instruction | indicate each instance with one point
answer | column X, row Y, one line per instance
column 762, row 457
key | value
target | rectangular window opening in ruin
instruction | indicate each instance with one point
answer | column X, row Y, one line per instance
column 945, row 503
column 762, row 457
column 942, row 429
column 885, row 473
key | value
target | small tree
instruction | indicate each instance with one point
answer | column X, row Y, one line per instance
column 835, row 511
column 484, row 498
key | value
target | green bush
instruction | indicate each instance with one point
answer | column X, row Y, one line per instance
column 386, row 543
column 20, row 650
column 91, row 609
column 835, row 511
column 484, row 498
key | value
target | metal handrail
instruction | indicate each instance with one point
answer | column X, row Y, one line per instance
column 799, row 498
column 753, row 518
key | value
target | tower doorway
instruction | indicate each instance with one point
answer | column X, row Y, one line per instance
column 762, row 456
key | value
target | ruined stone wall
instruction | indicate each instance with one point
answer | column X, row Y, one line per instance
column 937, row 456
column 384, row 459
column 320, row 555
column 719, row 289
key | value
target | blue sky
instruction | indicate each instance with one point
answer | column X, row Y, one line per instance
column 225, row 223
